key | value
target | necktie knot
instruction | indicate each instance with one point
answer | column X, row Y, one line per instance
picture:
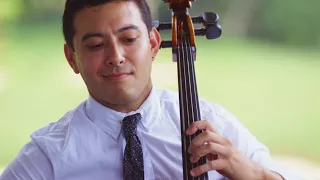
column 130, row 125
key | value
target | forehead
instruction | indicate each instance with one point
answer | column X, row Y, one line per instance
column 108, row 16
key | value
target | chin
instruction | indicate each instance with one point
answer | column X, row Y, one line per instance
column 124, row 96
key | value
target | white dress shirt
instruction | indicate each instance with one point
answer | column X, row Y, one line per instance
column 87, row 142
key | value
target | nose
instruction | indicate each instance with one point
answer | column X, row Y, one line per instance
column 115, row 55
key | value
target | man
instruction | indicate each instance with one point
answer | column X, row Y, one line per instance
column 128, row 129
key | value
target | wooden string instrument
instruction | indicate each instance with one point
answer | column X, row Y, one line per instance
column 184, row 53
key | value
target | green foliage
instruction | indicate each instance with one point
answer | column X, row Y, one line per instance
column 293, row 22
column 288, row 21
column 10, row 9
column 38, row 10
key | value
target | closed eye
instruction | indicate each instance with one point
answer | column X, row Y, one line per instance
column 130, row 40
column 95, row 47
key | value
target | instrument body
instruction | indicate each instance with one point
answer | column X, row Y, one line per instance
column 184, row 53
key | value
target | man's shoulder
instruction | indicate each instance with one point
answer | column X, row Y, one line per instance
column 56, row 133
column 166, row 94
column 209, row 110
column 170, row 96
column 36, row 159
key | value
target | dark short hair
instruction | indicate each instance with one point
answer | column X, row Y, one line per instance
column 74, row 6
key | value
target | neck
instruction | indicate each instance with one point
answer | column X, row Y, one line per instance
column 128, row 106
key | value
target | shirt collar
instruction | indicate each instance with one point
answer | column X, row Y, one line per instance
column 110, row 120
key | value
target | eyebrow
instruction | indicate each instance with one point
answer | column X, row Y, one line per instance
column 128, row 27
column 97, row 34
column 90, row 35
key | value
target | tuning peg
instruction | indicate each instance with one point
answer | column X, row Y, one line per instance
column 210, row 17
column 155, row 24
column 210, row 31
column 206, row 18
column 161, row 26
column 166, row 44
column 214, row 31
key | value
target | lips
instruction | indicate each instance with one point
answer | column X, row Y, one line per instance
column 117, row 76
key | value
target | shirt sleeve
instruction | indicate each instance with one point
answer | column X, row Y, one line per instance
column 231, row 128
column 30, row 164
column 264, row 159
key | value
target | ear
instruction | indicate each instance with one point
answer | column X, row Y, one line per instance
column 155, row 41
column 70, row 56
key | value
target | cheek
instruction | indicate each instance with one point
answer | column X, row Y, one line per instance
column 144, row 69
column 144, row 60
column 90, row 66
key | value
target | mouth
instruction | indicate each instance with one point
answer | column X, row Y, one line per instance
column 117, row 76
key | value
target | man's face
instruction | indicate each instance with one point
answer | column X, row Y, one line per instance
column 114, row 53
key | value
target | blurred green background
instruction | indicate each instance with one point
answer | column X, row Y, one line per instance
column 265, row 69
